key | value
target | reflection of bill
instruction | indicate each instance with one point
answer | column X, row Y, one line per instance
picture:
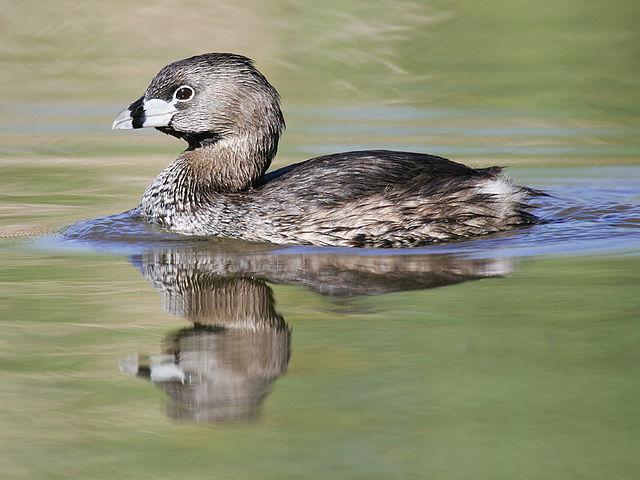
column 222, row 368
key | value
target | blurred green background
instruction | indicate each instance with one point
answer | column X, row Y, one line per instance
column 569, row 70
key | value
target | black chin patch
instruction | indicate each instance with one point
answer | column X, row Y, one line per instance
column 195, row 140
column 137, row 113
column 169, row 131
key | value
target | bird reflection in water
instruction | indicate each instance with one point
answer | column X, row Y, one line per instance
column 222, row 367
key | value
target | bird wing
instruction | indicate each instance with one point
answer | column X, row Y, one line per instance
column 347, row 176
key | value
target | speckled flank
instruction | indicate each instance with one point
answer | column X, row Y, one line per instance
column 375, row 198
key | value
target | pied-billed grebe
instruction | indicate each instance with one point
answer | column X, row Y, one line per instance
column 230, row 116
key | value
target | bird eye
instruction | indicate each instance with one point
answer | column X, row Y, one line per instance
column 183, row 93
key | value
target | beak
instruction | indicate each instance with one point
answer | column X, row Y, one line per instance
column 145, row 113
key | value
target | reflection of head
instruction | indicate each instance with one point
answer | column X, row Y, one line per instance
column 222, row 368
column 226, row 373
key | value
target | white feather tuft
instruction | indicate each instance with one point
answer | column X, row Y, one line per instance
column 500, row 187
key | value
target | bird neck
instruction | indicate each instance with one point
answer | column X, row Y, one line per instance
column 231, row 163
